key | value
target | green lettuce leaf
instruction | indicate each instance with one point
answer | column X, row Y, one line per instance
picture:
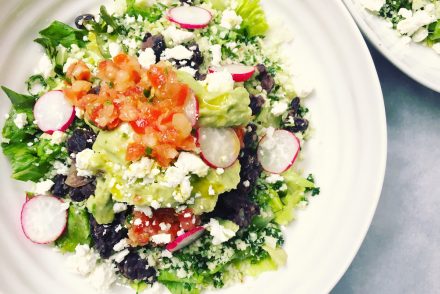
column 78, row 230
column 19, row 100
column 181, row 288
column 151, row 13
column 254, row 19
column 58, row 33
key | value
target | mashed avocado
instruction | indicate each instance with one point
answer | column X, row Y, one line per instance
column 225, row 110
column 145, row 183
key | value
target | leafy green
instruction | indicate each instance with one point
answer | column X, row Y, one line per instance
column 151, row 13
column 434, row 31
column 58, row 33
column 78, row 230
column 181, row 288
column 254, row 19
column 36, row 84
column 19, row 100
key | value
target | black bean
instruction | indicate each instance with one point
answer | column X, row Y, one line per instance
column 300, row 125
column 295, row 104
column 200, row 76
column 60, row 189
column 196, row 60
column 156, row 42
column 82, row 193
column 106, row 236
column 256, row 105
column 83, row 19
column 95, row 90
column 133, row 267
column 267, row 82
column 261, row 68
column 80, row 139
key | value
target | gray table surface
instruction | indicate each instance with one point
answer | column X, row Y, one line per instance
column 401, row 253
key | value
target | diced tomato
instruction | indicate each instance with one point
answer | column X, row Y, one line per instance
column 135, row 152
column 79, row 71
column 188, row 220
column 157, row 76
column 139, row 125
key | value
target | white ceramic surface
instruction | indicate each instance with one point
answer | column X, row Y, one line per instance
column 347, row 153
column 417, row 61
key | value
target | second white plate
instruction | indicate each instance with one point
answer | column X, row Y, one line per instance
column 417, row 61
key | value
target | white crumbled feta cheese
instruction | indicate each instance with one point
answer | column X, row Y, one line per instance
column 179, row 52
column 185, row 189
column 79, row 113
column 220, row 82
column 58, row 137
column 211, row 191
column 174, row 176
column 192, row 163
column 161, row 238
column 114, row 48
column 147, row 58
column 274, row 178
column 60, row 168
column 103, row 276
column 436, row 48
column 45, row 67
column 155, row 204
column 220, row 171
column 144, row 209
column 20, row 120
column 68, row 63
column 246, row 184
column 83, row 261
column 118, row 257
column 137, row 222
column 216, row 51
column 138, row 169
column 43, row 187
column 83, row 160
column 117, row 7
column 164, row 226
column 121, row 245
column 230, row 20
column 270, row 241
column 241, row 245
column 181, row 273
column 405, row 13
column 410, row 25
column 373, row 5
column 303, row 87
column 119, row 207
column 189, row 70
column 420, row 35
column 278, row 108
column 219, row 233
column 167, row 253
column 177, row 36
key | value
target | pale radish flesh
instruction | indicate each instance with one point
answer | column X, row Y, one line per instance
column 190, row 17
column 239, row 72
column 278, row 151
column 191, row 109
column 220, row 147
column 53, row 112
column 44, row 218
column 185, row 239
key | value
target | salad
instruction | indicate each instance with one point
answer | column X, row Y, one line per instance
column 414, row 20
column 162, row 140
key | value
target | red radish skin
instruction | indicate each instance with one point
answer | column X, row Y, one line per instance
column 283, row 155
column 185, row 239
column 42, row 210
column 240, row 72
column 228, row 146
column 192, row 109
column 53, row 112
column 190, row 17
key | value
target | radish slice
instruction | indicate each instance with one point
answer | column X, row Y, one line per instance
column 239, row 72
column 185, row 239
column 53, row 112
column 278, row 151
column 190, row 17
column 43, row 218
column 191, row 109
column 220, row 147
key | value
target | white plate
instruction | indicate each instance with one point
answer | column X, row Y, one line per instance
column 417, row 61
column 347, row 153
